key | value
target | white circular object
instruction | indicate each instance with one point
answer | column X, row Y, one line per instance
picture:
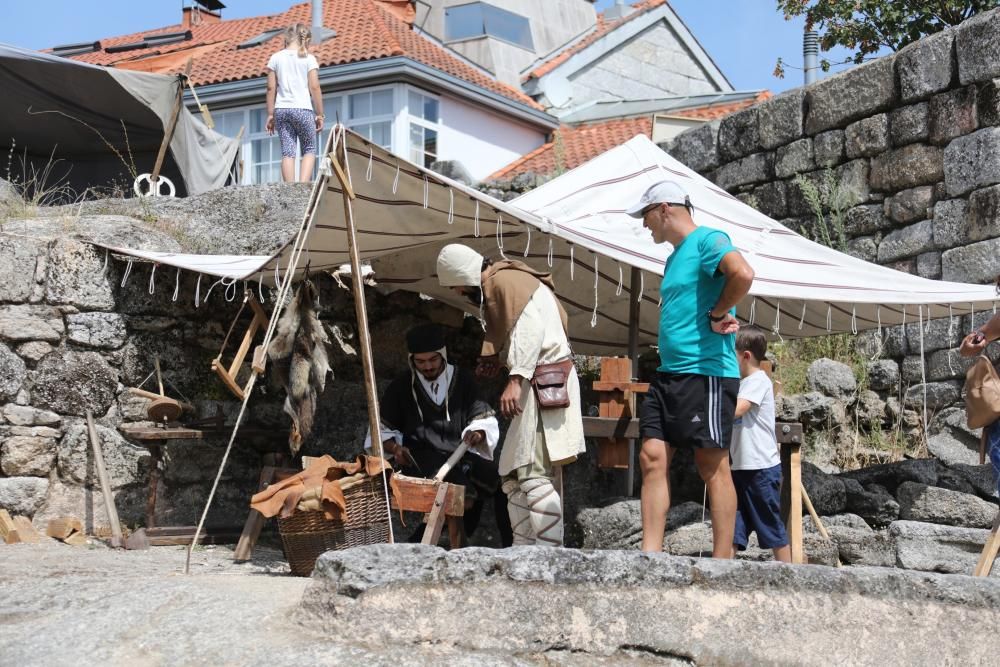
column 153, row 191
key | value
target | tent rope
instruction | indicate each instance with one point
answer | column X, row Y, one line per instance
column 753, row 310
column 260, row 287
column 197, row 293
column 527, row 246
column 152, row 279
column 475, row 221
column 777, row 317
column 829, row 317
column 802, row 319
column 548, row 259
column 395, row 181
column 499, row 233
column 642, row 286
column 177, row 285
column 621, row 279
column 572, row 261
column 593, row 316
column 371, row 160
column 854, row 319
column 427, row 192
column 451, row 206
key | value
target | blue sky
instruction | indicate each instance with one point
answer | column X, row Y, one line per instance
column 745, row 44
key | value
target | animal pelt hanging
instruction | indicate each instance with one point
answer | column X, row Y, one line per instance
column 299, row 350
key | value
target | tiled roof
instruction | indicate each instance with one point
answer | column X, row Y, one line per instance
column 574, row 145
column 366, row 30
column 603, row 27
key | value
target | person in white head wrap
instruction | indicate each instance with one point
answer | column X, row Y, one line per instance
column 525, row 326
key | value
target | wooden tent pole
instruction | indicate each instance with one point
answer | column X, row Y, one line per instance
column 338, row 160
column 168, row 135
column 633, row 353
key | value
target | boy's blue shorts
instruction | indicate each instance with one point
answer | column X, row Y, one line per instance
column 758, row 508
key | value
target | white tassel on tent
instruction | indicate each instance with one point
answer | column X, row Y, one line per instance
column 451, row 206
column 753, row 311
column 527, row 246
column 371, row 160
column 802, row 319
column 878, row 316
column 395, row 180
column 549, row 257
column 572, row 261
column 499, row 234
column 152, row 279
column 427, row 191
column 903, row 324
column 177, row 285
column 128, row 271
column 642, row 286
column 597, row 277
column 475, row 221
column 829, row 317
column 197, row 290
column 854, row 319
column 621, row 279
column 927, row 327
column 260, row 287
column 777, row 317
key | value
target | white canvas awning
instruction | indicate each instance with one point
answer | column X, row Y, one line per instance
column 576, row 227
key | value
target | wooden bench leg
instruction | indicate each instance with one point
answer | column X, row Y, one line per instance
column 791, row 497
column 985, row 564
column 435, row 520
column 254, row 523
column 456, row 532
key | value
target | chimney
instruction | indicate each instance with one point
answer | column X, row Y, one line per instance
column 619, row 11
column 810, row 52
column 319, row 33
column 194, row 16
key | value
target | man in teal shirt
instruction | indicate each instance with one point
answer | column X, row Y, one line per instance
column 692, row 401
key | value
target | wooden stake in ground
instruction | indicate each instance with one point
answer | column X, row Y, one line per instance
column 102, row 474
column 990, row 550
column 8, row 529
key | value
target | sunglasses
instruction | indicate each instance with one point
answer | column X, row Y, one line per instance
column 649, row 208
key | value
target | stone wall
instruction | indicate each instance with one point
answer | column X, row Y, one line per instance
column 912, row 143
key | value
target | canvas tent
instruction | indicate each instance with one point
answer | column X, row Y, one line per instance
column 576, row 227
column 71, row 114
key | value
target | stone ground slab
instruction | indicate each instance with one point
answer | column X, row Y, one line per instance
column 532, row 599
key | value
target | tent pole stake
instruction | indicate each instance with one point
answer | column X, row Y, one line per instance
column 361, row 311
column 171, row 126
column 633, row 353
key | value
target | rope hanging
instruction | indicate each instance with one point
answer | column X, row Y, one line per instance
column 499, row 233
column 152, row 279
column 451, row 206
column 395, row 180
column 753, row 311
column 260, row 287
column 177, row 285
column 854, row 319
column 475, row 221
column 593, row 317
column 802, row 319
column 549, row 258
column 527, row 246
column 371, row 159
column 621, row 279
column 427, row 192
column 128, row 271
column 572, row 261
column 829, row 317
column 197, row 293
column 642, row 286
column 777, row 317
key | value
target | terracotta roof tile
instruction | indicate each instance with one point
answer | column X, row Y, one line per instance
column 366, row 30
column 574, row 145
column 602, row 28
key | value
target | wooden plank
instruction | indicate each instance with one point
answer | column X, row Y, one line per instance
column 102, row 475
column 624, row 385
column 168, row 135
column 417, row 495
column 456, row 532
column 8, row 529
column 990, row 549
column 435, row 520
column 77, row 539
column 607, row 427
column 254, row 523
column 25, row 530
column 791, row 498
column 182, row 536
column 63, row 526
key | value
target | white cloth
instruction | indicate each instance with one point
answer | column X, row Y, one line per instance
column 538, row 338
column 437, row 389
column 459, row 266
column 292, row 73
column 754, row 446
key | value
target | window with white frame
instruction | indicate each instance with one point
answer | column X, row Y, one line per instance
column 265, row 150
column 370, row 114
column 423, row 111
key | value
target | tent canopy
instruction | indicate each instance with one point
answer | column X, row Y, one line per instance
column 92, row 126
column 575, row 226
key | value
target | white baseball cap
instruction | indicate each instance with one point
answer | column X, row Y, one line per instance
column 663, row 192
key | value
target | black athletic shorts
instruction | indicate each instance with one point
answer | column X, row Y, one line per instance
column 690, row 410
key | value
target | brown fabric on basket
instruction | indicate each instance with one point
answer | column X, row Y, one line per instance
column 283, row 497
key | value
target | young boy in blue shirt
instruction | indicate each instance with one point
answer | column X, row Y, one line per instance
column 756, row 463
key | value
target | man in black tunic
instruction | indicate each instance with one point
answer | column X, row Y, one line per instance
column 427, row 411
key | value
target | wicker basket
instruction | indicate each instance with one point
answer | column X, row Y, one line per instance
column 306, row 535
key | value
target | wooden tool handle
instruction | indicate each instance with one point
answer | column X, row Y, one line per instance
column 452, row 460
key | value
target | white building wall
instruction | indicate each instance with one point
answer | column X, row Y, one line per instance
column 481, row 140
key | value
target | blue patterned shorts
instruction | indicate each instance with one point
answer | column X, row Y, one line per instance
column 993, row 449
column 295, row 124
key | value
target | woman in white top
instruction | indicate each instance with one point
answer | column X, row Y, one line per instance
column 294, row 101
